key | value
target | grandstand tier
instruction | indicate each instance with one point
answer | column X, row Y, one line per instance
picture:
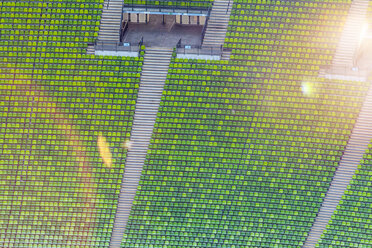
column 242, row 153
column 56, row 105
column 350, row 224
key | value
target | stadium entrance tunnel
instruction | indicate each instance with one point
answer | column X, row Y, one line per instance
column 158, row 30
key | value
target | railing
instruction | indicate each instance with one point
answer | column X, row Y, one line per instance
column 178, row 45
column 140, row 43
column 123, row 29
column 205, row 25
column 117, row 46
column 228, row 6
column 114, row 46
column 198, row 50
column 204, row 29
column 167, row 9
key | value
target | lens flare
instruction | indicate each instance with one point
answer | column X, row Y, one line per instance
column 363, row 32
column 307, row 88
column 127, row 144
column 104, row 150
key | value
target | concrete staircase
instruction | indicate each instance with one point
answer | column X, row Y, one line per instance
column 358, row 143
column 217, row 24
column 350, row 37
column 110, row 21
column 154, row 72
column 90, row 49
column 226, row 54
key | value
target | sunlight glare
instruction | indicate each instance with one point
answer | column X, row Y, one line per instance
column 127, row 144
column 307, row 88
column 104, row 150
column 363, row 32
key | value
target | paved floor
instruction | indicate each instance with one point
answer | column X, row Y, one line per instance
column 155, row 33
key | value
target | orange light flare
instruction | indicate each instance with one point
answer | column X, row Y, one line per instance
column 127, row 144
column 84, row 169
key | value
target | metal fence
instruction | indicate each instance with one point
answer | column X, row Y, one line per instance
column 118, row 46
column 164, row 8
column 198, row 50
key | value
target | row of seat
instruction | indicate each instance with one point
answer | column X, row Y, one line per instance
column 75, row 23
column 350, row 224
column 57, row 102
column 210, row 113
column 296, row 21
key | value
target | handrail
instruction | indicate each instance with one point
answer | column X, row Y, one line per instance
column 205, row 25
column 148, row 7
column 228, row 6
column 140, row 43
column 199, row 50
column 179, row 43
column 123, row 30
column 115, row 46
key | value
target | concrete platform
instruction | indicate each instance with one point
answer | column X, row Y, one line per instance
column 164, row 10
column 157, row 34
column 116, row 53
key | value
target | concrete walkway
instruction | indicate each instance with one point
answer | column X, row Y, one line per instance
column 157, row 34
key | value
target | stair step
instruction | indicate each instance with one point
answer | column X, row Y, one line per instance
column 360, row 137
column 217, row 24
column 110, row 21
column 154, row 72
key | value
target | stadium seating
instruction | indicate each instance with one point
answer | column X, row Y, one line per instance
column 244, row 151
column 56, row 191
column 56, row 101
column 267, row 31
column 54, row 183
column 242, row 154
column 54, row 25
column 350, row 225
column 242, row 163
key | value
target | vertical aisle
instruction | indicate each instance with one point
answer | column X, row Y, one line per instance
column 354, row 151
column 217, row 24
column 361, row 135
column 109, row 30
column 154, row 73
